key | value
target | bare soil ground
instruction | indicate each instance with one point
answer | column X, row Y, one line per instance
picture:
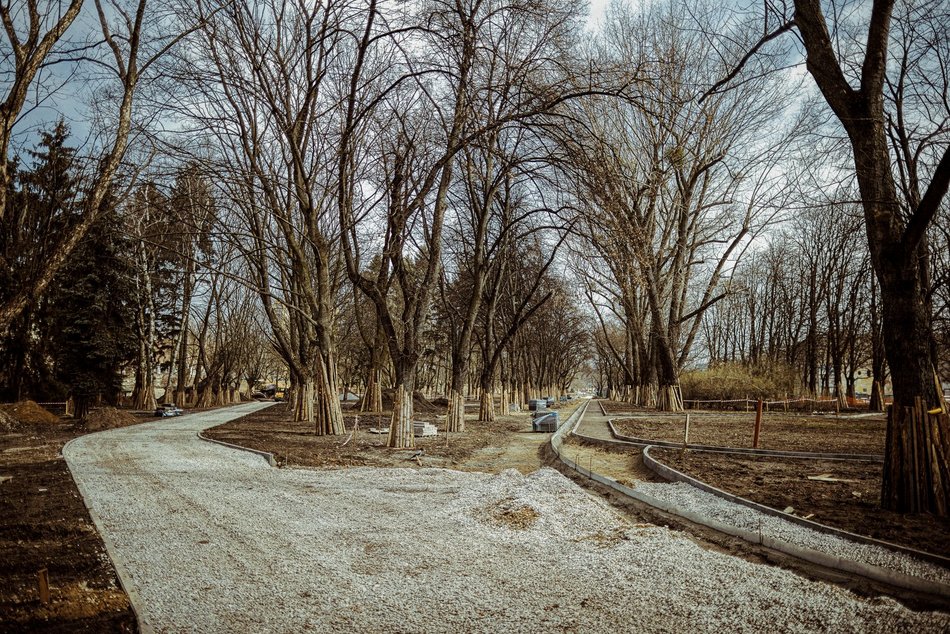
column 850, row 502
column 44, row 524
column 823, row 433
column 506, row 443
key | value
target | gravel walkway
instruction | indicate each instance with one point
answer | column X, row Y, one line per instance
column 689, row 498
column 215, row 540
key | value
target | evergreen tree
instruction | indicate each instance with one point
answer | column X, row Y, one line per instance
column 94, row 320
column 41, row 205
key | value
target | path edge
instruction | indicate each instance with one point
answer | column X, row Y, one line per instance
column 118, row 563
column 869, row 571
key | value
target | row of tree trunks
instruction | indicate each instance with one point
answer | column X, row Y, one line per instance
column 917, row 476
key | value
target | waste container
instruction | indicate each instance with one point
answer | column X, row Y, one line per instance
column 546, row 422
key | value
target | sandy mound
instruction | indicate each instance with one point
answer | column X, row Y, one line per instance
column 108, row 418
column 31, row 413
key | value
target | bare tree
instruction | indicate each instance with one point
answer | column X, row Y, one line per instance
column 857, row 76
column 418, row 158
column 32, row 29
column 674, row 189
column 131, row 48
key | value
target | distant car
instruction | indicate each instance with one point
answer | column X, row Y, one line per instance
column 168, row 409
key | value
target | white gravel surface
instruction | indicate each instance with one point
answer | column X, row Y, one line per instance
column 215, row 540
column 689, row 498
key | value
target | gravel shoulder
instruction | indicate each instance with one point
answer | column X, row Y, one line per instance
column 215, row 540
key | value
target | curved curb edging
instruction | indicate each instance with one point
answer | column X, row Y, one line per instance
column 869, row 571
column 121, row 570
column 773, row 453
column 266, row 455
column 669, row 473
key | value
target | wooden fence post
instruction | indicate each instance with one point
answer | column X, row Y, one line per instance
column 758, row 424
column 42, row 578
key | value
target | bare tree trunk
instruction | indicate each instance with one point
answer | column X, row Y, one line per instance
column 373, row 398
column 329, row 419
column 455, row 418
column 400, row 430
column 486, row 406
column 303, row 399
column 877, row 397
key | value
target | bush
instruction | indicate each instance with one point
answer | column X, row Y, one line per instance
column 731, row 381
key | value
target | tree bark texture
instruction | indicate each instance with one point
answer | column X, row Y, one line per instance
column 400, row 429
column 455, row 417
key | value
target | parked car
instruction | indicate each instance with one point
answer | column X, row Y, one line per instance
column 168, row 409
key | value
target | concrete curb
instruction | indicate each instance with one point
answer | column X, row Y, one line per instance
column 269, row 457
column 875, row 573
column 121, row 570
column 857, row 457
column 674, row 475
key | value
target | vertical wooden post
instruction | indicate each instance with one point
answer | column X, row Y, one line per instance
column 758, row 425
column 686, row 431
column 42, row 578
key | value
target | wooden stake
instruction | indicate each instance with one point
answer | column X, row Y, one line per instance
column 758, row 425
column 42, row 578
column 686, row 431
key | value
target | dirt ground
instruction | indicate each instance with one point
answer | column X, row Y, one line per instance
column 507, row 443
column 824, row 433
column 44, row 524
column 849, row 501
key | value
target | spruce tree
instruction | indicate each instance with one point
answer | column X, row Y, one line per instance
column 94, row 319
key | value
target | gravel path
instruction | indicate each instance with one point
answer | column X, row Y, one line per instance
column 214, row 540
column 689, row 498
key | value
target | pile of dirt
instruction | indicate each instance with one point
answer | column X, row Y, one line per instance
column 510, row 513
column 8, row 423
column 30, row 413
column 420, row 405
column 108, row 418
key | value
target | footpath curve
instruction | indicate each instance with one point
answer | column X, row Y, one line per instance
column 211, row 539
column 735, row 516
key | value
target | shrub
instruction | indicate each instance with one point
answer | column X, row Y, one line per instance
column 730, row 381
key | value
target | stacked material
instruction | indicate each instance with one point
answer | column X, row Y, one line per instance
column 422, row 429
